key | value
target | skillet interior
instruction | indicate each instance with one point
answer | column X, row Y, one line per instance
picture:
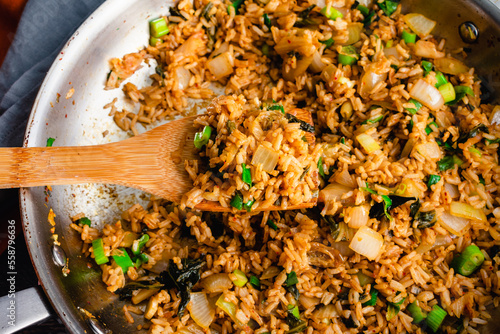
column 116, row 28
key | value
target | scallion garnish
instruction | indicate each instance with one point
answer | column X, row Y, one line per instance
column 84, row 221
column 248, row 205
column 138, row 244
column 328, row 42
column 265, row 50
column 433, row 179
column 447, row 91
column 331, row 13
column 255, row 282
column 241, row 278
column 50, row 141
column 392, row 311
column 441, row 79
column 348, row 55
column 417, row 105
column 428, row 128
column 387, row 204
column 416, row 312
column 267, row 21
column 122, row 259
column 363, row 9
column 373, row 298
column 158, row 27
column 408, row 37
column 388, row 6
column 291, row 279
column 468, row 261
column 320, row 167
column 427, row 66
column 246, row 175
column 435, row 318
column 201, row 138
column 237, row 201
column 272, row 225
column 236, row 5
column 99, row 255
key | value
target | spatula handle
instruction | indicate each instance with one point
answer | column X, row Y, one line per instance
column 38, row 166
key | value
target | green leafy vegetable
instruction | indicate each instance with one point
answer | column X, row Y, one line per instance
column 122, row 259
column 276, row 107
column 373, row 298
column 201, row 138
column 417, row 104
column 427, row 66
column 449, row 162
column 291, row 284
column 236, row 5
column 295, row 324
column 441, row 79
column 84, row 221
column 50, row 141
column 246, row 175
column 206, row 11
column 303, row 19
column 389, row 7
column 392, row 311
column 267, row 21
column 378, row 210
column 433, row 179
column 320, row 168
column 425, row 219
column 363, row 9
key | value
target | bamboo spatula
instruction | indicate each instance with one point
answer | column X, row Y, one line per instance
column 152, row 162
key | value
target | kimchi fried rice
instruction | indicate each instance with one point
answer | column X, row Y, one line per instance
column 405, row 236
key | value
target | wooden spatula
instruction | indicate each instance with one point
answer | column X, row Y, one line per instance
column 152, row 162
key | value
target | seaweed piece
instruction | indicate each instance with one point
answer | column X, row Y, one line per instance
column 174, row 11
column 291, row 284
column 303, row 125
column 472, row 133
column 303, row 18
column 414, row 207
column 182, row 279
column 425, row 219
column 295, row 325
column 206, row 11
column 378, row 210
column 129, row 288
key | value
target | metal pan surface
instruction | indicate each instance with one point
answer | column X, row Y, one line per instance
column 69, row 108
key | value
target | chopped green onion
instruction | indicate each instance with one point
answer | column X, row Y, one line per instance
column 139, row 244
column 246, row 175
column 417, row 105
column 492, row 141
column 265, row 50
column 364, row 279
column 294, row 310
column 468, row 261
column 408, row 37
column 367, row 189
column 201, row 138
column 153, row 41
column 435, row 318
column 481, row 180
column 272, row 225
column 320, row 167
column 237, row 201
column 427, row 65
column 331, row 13
column 267, row 21
column 50, row 141
column 389, row 7
column 433, row 179
column 387, row 204
column 255, row 282
column 348, row 55
column 122, row 259
column 475, row 151
column 449, row 162
column 328, row 42
column 84, row 221
column 368, row 18
column 99, row 255
column 373, row 299
column 428, row 128
column 236, row 5
column 441, row 80
column 291, row 279
column 465, row 90
column 158, row 27
column 363, row 9
column 248, row 205
column 241, row 278
column 416, row 312
column 447, row 91
column 342, row 140
column 276, row 107
column 392, row 311
column 143, row 257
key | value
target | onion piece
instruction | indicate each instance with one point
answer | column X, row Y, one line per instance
column 427, row 94
column 441, row 240
column 343, row 248
column 308, row 302
column 409, row 188
column 317, row 64
column 224, row 47
column 327, row 312
column 216, row 283
column 202, row 312
column 450, row 65
column 367, row 242
column 369, row 80
column 456, row 225
column 369, row 144
column 452, row 190
column 419, row 23
column 183, row 77
column 301, row 44
column 192, row 46
column 427, row 49
column 357, row 216
column 467, row 211
column 265, row 156
column 393, row 51
column 221, row 66
column 299, row 69
column 429, row 150
column 344, row 178
column 333, row 192
column 354, row 32
column 495, row 116
column 270, row 272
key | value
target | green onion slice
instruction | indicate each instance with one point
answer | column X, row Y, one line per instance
column 433, row 179
column 441, row 79
column 122, row 259
column 408, row 37
column 84, row 221
column 328, row 42
column 139, row 244
column 373, row 298
column 158, row 27
column 417, row 105
column 50, row 141
column 392, row 311
column 241, row 278
column 236, row 5
column 320, row 167
column 331, row 13
column 248, row 205
column 447, row 91
column 468, row 261
column 255, row 282
column 98, row 247
column 435, row 318
column 272, row 225
column 291, row 278
column 246, row 175
column 348, row 55
column 201, row 138
column 237, row 201
column 428, row 128
column 267, row 21
column 427, row 66
column 416, row 312
column 363, row 9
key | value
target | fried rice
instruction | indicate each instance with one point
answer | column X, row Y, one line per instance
column 408, row 184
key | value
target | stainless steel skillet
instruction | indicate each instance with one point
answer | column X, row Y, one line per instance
column 116, row 28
